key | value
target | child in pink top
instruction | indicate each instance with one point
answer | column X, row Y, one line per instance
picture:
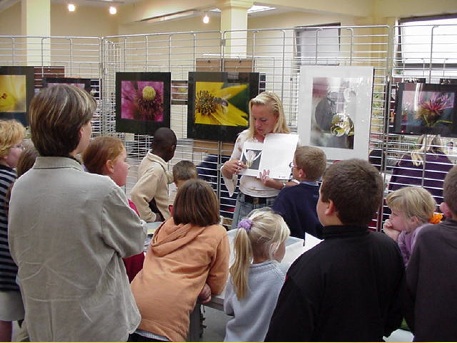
column 412, row 209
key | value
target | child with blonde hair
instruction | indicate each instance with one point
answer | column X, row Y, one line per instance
column 256, row 276
column 412, row 208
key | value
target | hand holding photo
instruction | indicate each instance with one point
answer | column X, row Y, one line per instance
column 273, row 155
column 252, row 152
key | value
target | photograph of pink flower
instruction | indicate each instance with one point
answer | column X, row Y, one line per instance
column 423, row 108
column 142, row 102
column 16, row 92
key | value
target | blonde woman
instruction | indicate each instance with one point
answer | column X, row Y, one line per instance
column 256, row 276
column 266, row 115
column 411, row 209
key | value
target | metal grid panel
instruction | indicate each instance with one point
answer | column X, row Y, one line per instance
column 429, row 54
column 421, row 53
column 273, row 52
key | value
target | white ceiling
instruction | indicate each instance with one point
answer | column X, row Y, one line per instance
column 4, row 4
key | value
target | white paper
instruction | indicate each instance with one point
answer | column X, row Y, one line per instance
column 274, row 154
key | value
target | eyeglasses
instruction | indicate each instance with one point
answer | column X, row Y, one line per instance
column 292, row 165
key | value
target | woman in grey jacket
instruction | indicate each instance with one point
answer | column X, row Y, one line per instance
column 69, row 230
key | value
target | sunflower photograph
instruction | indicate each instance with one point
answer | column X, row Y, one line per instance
column 219, row 104
column 142, row 102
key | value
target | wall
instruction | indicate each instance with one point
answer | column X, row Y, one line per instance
column 85, row 21
column 10, row 23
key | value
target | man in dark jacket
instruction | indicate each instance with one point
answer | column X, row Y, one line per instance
column 348, row 287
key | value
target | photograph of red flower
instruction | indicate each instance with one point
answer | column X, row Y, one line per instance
column 142, row 102
column 16, row 92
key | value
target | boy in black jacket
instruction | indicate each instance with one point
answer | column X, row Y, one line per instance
column 348, row 287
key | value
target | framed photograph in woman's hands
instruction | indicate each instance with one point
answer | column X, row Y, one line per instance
column 16, row 92
column 218, row 104
column 142, row 101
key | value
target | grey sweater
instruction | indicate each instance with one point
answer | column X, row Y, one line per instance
column 253, row 313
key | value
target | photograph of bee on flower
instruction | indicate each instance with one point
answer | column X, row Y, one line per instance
column 426, row 108
column 219, row 104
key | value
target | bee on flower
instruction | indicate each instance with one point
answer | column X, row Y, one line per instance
column 213, row 106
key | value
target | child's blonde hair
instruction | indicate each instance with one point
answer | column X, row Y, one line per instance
column 11, row 131
column 413, row 201
column 259, row 235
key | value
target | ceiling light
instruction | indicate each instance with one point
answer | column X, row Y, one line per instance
column 112, row 10
column 71, row 7
column 206, row 19
column 253, row 9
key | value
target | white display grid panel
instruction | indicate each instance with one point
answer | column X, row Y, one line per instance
column 273, row 52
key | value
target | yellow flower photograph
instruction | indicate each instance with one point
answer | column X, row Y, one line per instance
column 216, row 104
column 13, row 93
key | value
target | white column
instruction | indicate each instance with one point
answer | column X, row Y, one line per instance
column 36, row 21
column 234, row 16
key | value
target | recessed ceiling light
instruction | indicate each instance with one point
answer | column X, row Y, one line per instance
column 71, row 7
column 112, row 10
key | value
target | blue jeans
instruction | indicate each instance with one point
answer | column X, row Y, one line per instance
column 243, row 207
